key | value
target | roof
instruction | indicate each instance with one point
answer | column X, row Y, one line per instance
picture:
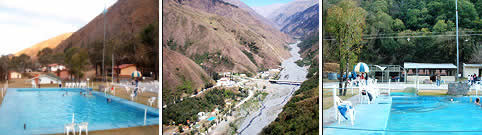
column 124, row 66
column 472, row 65
column 410, row 65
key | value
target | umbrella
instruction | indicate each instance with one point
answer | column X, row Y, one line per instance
column 136, row 74
column 361, row 67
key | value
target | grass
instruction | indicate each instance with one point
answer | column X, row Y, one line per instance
column 328, row 97
column 142, row 130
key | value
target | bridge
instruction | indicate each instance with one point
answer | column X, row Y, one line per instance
column 286, row 82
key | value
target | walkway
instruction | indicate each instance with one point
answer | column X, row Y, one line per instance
column 368, row 116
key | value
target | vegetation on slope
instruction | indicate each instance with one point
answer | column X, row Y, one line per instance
column 400, row 31
column 300, row 114
column 190, row 107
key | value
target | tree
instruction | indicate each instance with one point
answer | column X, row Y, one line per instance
column 45, row 56
column 398, row 25
column 76, row 60
column 20, row 63
column 440, row 26
column 346, row 21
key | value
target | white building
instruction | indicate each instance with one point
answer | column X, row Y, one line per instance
column 48, row 79
column 427, row 71
column 55, row 67
column 225, row 81
column 201, row 115
column 471, row 69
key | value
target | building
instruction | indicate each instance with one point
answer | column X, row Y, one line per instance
column 471, row 69
column 125, row 70
column 49, row 79
column 55, row 67
column 424, row 71
column 63, row 74
column 14, row 75
column 225, row 81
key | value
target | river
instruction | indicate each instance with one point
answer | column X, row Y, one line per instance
column 281, row 93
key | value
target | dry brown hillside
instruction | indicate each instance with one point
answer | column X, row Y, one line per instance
column 220, row 36
column 49, row 43
column 177, row 68
column 198, row 27
column 126, row 17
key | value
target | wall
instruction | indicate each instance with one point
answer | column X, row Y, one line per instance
column 470, row 71
column 47, row 80
column 421, row 78
column 128, row 71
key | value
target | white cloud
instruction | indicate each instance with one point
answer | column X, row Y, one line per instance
column 24, row 23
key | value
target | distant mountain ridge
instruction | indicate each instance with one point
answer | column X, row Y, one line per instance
column 49, row 43
column 303, row 23
column 280, row 15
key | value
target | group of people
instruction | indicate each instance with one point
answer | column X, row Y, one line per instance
column 358, row 78
column 472, row 79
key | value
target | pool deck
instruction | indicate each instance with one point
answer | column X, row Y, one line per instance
column 373, row 117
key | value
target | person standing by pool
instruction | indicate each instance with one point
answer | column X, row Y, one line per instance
column 437, row 78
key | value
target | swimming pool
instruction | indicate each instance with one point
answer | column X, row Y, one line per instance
column 46, row 111
column 425, row 115
column 211, row 118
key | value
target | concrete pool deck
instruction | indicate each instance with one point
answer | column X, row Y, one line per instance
column 373, row 117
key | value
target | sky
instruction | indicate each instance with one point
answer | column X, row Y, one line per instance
column 24, row 23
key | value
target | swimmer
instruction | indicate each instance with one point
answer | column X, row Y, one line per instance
column 477, row 101
column 452, row 99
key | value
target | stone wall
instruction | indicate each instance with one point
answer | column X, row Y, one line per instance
column 458, row 89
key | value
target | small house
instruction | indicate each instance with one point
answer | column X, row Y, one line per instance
column 49, row 79
column 125, row 70
column 14, row 75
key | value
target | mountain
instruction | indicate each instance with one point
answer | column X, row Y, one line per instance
column 125, row 17
column 49, row 43
column 221, row 36
column 302, row 23
column 280, row 15
column 267, row 10
column 178, row 70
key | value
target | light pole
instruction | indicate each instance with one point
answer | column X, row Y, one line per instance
column 457, row 37
column 103, row 49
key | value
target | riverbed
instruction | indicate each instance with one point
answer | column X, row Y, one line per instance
column 273, row 104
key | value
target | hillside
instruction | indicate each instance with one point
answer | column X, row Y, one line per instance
column 398, row 31
column 179, row 70
column 49, row 43
column 220, row 36
column 280, row 15
column 302, row 23
column 124, row 20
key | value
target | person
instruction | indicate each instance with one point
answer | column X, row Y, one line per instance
column 437, row 78
column 109, row 100
column 477, row 101
column 365, row 92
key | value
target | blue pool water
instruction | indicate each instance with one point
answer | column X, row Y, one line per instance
column 46, row 111
column 429, row 113
column 420, row 115
column 211, row 118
